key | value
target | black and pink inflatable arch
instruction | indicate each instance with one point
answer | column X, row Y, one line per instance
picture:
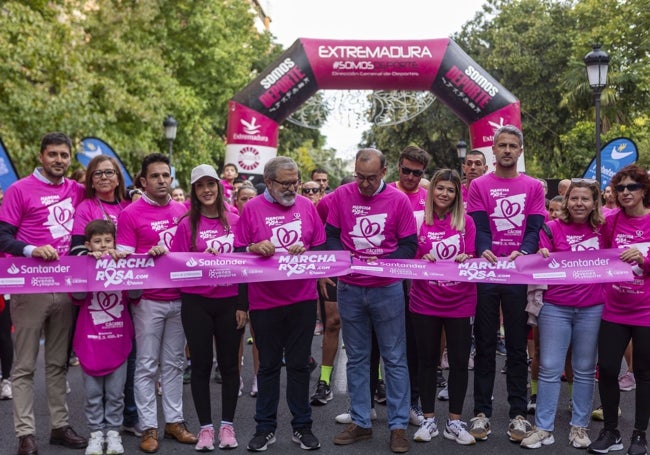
column 309, row 65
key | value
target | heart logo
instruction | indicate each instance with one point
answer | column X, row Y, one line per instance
column 61, row 215
column 286, row 237
column 369, row 228
column 218, row 245
column 444, row 251
column 107, row 301
column 167, row 238
column 510, row 209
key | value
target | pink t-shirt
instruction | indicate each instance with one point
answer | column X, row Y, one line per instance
column 144, row 225
column 573, row 237
column 94, row 209
column 507, row 202
column 628, row 302
column 42, row 212
column 370, row 226
column 283, row 226
column 210, row 233
column 323, row 206
column 607, row 212
column 417, row 200
column 227, row 190
column 449, row 299
column 103, row 337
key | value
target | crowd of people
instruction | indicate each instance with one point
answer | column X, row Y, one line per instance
column 133, row 346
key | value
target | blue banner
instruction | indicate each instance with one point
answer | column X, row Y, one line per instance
column 92, row 147
column 8, row 173
column 614, row 156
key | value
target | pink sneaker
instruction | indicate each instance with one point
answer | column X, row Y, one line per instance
column 227, row 438
column 627, row 382
column 206, row 440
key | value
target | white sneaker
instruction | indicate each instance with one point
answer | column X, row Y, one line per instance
column 428, row 429
column 519, row 428
column 479, row 427
column 537, row 438
column 578, row 438
column 114, row 443
column 415, row 416
column 347, row 418
column 95, row 443
column 5, row 390
column 456, row 430
column 443, row 395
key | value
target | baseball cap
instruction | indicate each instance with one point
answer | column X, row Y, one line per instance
column 203, row 170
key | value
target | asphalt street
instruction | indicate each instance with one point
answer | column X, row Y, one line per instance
column 324, row 425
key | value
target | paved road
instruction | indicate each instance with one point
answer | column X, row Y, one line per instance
column 324, row 426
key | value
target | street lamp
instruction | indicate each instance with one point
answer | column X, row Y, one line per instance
column 170, row 124
column 461, row 151
column 597, row 63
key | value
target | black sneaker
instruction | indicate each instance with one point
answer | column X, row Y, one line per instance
column 380, row 393
column 261, row 441
column 532, row 404
column 187, row 375
column 607, row 440
column 217, row 375
column 322, row 395
column 638, row 445
column 312, row 364
column 441, row 382
column 306, row 439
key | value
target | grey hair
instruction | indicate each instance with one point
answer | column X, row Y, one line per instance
column 367, row 154
column 279, row 162
column 509, row 129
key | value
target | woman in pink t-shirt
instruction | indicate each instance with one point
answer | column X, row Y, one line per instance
column 570, row 316
column 210, row 312
column 626, row 315
column 446, row 234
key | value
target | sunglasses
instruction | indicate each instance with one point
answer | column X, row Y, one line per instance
column 416, row 172
column 310, row 190
column 630, row 187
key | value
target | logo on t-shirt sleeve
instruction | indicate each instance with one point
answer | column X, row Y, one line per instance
column 509, row 212
column 286, row 235
column 60, row 218
column 368, row 231
column 105, row 307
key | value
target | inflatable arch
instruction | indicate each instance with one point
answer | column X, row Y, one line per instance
column 437, row 65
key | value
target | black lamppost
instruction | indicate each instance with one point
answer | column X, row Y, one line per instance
column 597, row 63
column 170, row 124
column 461, row 151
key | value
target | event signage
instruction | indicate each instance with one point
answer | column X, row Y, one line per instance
column 614, row 156
column 183, row 270
column 92, row 147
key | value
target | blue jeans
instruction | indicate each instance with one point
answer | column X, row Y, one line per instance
column 284, row 330
column 560, row 327
column 362, row 309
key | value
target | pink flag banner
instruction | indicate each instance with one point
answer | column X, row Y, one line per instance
column 571, row 267
column 141, row 271
column 175, row 270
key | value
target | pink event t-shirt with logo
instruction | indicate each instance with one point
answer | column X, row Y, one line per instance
column 572, row 237
column 507, row 202
column 42, row 212
column 450, row 299
column 103, row 337
column 94, row 209
column 370, row 226
column 283, row 226
column 628, row 302
column 417, row 200
column 210, row 233
column 143, row 226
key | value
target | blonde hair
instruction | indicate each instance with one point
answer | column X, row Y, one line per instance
column 457, row 209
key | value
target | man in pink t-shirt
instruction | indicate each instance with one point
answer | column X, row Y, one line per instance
column 36, row 221
column 412, row 163
column 508, row 210
column 283, row 316
column 147, row 226
column 371, row 220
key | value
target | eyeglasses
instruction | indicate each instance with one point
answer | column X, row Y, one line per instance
column 371, row 179
column 416, row 172
column 630, row 187
column 287, row 185
column 108, row 173
column 310, row 190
